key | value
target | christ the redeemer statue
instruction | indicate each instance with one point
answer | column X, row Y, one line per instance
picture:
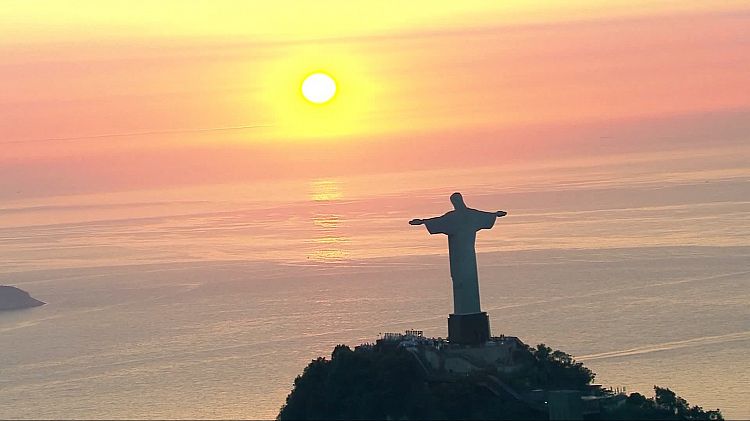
column 468, row 324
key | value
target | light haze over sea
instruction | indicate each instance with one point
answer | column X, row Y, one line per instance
column 206, row 302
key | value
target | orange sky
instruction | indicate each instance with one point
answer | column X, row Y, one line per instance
column 103, row 96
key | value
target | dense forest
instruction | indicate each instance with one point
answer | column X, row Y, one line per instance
column 388, row 383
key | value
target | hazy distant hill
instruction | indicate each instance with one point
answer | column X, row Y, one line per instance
column 12, row 298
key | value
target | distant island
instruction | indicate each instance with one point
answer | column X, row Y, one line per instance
column 408, row 376
column 12, row 298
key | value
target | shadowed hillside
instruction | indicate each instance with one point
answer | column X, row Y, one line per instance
column 380, row 382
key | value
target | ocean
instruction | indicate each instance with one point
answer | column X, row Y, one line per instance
column 207, row 301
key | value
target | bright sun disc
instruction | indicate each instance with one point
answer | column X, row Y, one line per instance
column 318, row 88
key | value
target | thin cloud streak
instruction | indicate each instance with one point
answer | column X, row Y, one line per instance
column 135, row 134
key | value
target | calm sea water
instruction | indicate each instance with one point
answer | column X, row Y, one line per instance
column 206, row 302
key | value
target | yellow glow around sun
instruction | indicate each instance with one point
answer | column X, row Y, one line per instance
column 319, row 88
column 304, row 100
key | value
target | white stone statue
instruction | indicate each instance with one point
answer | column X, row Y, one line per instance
column 461, row 226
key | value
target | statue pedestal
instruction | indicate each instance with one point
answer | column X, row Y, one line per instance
column 468, row 329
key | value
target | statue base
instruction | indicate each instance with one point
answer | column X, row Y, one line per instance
column 468, row 329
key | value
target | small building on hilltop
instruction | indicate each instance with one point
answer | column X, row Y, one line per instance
column 439, row 357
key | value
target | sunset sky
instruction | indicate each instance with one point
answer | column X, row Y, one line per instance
column 111, row 96
column 200, row 230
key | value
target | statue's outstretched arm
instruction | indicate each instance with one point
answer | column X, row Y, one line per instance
column 418, row 221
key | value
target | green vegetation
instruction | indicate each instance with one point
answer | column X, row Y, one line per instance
column 665, row 405
column 388, row 383
column 545, row 368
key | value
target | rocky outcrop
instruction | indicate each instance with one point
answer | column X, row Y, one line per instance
column 12, row 298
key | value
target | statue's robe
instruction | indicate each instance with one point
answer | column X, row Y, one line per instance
column 461, row 226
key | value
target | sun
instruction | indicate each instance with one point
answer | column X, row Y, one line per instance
column 319, row 88
column 322, row 92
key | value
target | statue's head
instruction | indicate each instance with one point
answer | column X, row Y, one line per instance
column 458, row 201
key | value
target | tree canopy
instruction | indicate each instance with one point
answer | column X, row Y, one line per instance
column 389, row 383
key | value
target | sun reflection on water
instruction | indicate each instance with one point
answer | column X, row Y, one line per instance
column 326, row 222
column 325, row 190
column 328, row 244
